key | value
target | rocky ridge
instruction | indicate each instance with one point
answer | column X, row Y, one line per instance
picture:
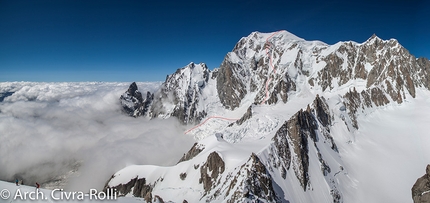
column 382, row 70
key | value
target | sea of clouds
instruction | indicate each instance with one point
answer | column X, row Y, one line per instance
column 74, row 135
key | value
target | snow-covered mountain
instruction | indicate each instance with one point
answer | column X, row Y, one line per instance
column 315, row 123
column 183, row 95
column 133, row 103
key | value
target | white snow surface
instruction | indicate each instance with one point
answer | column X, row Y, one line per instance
column 389, row 152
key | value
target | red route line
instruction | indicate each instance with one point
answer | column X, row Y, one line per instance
column 219, row 117
column 267, row 84
column 267, row 45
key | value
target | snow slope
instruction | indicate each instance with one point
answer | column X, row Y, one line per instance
column 389, row 151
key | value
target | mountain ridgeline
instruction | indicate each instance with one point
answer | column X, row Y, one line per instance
column 264, row 78
column 387, row 69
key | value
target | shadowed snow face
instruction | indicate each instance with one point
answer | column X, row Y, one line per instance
column 49, row 129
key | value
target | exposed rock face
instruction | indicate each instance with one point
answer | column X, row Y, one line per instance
column 421, row 188
column 356, row 102
column 373, row 61
column 301, row 126
column 282, row 149
column 213, row 166
column 158, row 199
column 246, row 116
column 180, row 94
column 281, row 90
column 139, row 187
column 248, row 182
column 231, row 89
column 194, row 151
column 259, row 182
column 133, row 103
column 256, row 185
column 293, row 139
column 388, row 68
column 247, row 69
column 322, row 113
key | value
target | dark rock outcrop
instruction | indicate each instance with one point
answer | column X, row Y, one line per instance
column 214, row 166
column 322, row 111
column 258, row 182
column 231, row 89
column 256, row 185
column 246, row 116
column 356, row 102
column 322, row 114
column 301, row 126
column 139, row 187
column 280, row 90
column 292, row 141
column 421, row 188
column 378, row 62
column 158, row 199
column 282, row 150
column 194, row 151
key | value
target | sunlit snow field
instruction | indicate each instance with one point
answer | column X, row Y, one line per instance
column 389, row 152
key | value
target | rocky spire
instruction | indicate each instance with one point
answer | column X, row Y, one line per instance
column 133, row 103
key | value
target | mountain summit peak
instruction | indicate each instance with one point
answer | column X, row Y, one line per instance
column 281, row 34
column 373, row 38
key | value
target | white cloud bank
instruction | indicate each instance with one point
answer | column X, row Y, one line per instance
column 49, row 129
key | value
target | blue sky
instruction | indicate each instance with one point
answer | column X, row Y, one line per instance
column 74, row 40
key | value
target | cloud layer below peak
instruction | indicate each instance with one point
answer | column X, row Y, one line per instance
column 48, row 130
